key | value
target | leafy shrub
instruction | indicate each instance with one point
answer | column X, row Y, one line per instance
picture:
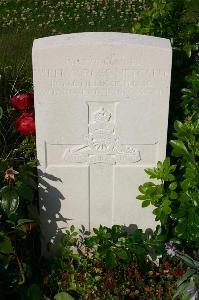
column 176, row 196
column 110, row 264
column 19, row 245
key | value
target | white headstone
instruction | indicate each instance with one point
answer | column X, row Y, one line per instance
column 101, row 103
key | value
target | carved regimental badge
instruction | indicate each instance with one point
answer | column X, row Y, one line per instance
column 102, row 144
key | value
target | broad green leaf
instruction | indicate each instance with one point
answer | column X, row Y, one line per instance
column 181, row 289
column 63, row 296
column 189, row 261
column 186, row 276
column 10, row 201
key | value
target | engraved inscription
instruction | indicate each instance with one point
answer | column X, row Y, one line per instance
column 122, row 81
column 102, row 144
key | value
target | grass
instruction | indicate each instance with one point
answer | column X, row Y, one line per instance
column 24, row 20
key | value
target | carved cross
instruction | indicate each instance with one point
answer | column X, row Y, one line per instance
column 102, row 151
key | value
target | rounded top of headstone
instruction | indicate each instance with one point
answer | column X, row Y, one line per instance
column 114, row 38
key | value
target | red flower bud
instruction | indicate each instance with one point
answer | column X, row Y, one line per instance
column 25, row 124
column 23, row 101
column 166, row 265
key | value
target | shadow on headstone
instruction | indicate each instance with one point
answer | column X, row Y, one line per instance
column 50, row 206
column 133, row 227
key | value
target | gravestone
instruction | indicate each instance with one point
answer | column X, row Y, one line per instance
column 101, row 104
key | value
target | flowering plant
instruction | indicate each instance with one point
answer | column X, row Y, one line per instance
column 25, row 124
column 23, row 101
column 188, row 284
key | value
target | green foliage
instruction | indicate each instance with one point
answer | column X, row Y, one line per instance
column 157, row 194
column 174, row 191
column 175, row 20
column 24, row 20
column 176, row 201
column 188, row 284
column 190, row 94
column 112, row 263
column 5, row 249
column 34, row 292
column 9, row 200
column 63, row 296
column 19, row 245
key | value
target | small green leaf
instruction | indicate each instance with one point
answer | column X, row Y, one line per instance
column 151, row 172
column 173, row 186
column 166, row 163
column 145, row 203
column 177, row 124
column 141, row 197
column 121, row 253
column 72, row 228
column 10, row 201
column 173, row 195
column 63, row 296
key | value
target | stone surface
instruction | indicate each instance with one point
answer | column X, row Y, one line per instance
column 101, row 103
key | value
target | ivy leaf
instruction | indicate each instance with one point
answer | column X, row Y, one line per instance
column 63, row 296
column 10, row 201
